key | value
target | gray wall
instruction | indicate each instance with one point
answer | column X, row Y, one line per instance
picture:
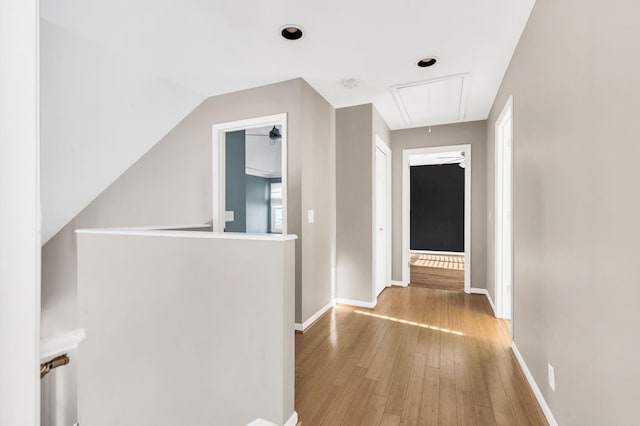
column 473, row 133
column 316, row 167
column 356, row 128
column 354, row 202
column 172, row 184
column 214, row 344
column 235, row 185
column 574, row 78
column 258, row 205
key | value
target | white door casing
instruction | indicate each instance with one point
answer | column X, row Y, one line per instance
column 382, row 217
column 504, row 212
column 218, row 161
column 407, row 155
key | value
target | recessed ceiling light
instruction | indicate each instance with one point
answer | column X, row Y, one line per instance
column 350, row 83
column 427, row 62
column 291, row 32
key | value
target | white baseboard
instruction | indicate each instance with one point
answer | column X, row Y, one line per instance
column 357, row 303
column 486, row 293
column 302, row 327
column 534, row 386
column 398, row 283
column 293, row 420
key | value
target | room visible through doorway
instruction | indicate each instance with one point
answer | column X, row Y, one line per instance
column 433, row 270
column 436, row 221
column 250, row 178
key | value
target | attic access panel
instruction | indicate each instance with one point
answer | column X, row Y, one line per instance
column 432, row 102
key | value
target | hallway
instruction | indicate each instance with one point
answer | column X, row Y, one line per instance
column 421, row 357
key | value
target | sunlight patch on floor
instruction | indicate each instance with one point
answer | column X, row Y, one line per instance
column 417, row 324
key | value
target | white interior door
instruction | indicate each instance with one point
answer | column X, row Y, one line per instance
column 381, row 216
column 504, row 212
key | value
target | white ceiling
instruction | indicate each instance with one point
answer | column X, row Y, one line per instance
column 217, row 46
column 262, row 157
column 453, row 157
column 117, row 75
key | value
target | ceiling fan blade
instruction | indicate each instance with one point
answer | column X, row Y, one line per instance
column 275, row 133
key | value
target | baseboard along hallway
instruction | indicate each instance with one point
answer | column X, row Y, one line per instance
column 441, row 271
column 421, row 357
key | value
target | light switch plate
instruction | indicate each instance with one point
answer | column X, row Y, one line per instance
column 228, row 216
column 311, row 216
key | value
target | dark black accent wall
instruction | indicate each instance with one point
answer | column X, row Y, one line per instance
column 437, row 208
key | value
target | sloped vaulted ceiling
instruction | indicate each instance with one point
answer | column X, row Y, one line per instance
column 117, row 75
column 99, row 115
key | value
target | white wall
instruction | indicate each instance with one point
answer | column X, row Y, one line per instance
column 98, row 118
column 19, row 215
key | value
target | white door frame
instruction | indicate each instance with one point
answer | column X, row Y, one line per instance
column 219, row 162
column 504, row 304
column 382, row 146
column 406, row 199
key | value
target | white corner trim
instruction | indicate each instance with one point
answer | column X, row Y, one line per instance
column 293, row 420
column 357, row 303
column 493, row 306
column 534, row 386
column 57, row 345
column 142, row 232
column 313, row 318
column 399, row 283
column 486, row 293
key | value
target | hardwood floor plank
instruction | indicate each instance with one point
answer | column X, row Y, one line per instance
column 359, row 407
column 421, row 357
column 390, row 420
column 430, row 397
column 402, row 372
column 375, row 409
column 484, row 416
column 341, row 407
column 388, row 372
column 413, row 398
column 447, row 406
column 465, row 408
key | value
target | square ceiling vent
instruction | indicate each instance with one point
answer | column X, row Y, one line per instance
column 432, row 102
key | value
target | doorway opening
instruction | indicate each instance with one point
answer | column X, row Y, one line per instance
column 249, row 175
column 504, row 212
column 382, row 217
column 436, row 204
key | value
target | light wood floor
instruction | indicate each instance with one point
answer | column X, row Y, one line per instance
column 422, row 357
column 445, row 272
